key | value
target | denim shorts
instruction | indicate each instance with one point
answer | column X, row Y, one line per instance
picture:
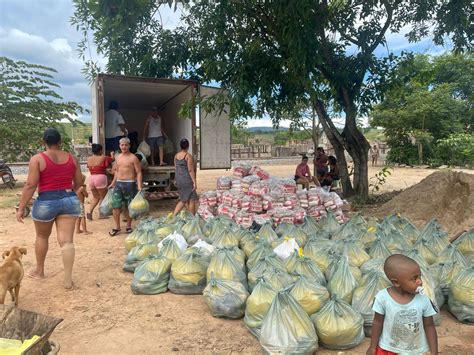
column 51, row 204
column 155, row 142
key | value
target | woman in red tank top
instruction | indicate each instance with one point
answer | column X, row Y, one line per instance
column 97, row 164
column 57, row 175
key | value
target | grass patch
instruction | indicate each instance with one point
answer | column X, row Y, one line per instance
column 8, row 197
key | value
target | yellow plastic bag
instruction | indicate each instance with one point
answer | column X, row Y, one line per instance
column 267, row 233
column 258, row 305
column 278, row 279
column 435, row 236
column 192, row 228
column 225, row 298
column 152, row 275
column 16, row 347
column 286, row 328
column 354, row 251
column 342, row 283
column 379, row 250
column 355, row 271
column 261, row 267
column 309, row 294
column 338, row 325
column 461, row 296
column 139, row 206
column 426, row 252
column 227, row 238
column 263, row 249
column 137, row 254
column 299, row 265
column 465, row 242
column 105, row 207
column 444, row 272
column 320, row 251
column 452, row 254
column 188, row 274
column 225, row 267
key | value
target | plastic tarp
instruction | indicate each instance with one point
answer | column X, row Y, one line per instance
column 461, row 296
column 309, row 294
column 338, row 325
column 287, row 329
column 152, row 275
column 225, row 298
column 258, row 305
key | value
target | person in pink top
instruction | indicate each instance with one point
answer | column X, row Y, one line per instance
column 57, row 175
column 303, row 174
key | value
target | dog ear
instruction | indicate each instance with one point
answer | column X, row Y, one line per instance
column 22, row 250
column 5, row 254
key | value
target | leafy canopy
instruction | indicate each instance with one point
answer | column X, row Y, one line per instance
column 28, row 105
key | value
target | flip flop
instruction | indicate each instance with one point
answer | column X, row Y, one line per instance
column 128, row 230
column 114, row 232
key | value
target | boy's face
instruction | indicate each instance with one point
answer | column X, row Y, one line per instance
column 124, row 147
column 408, row 278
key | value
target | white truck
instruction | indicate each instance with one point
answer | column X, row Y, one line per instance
column 208, row 133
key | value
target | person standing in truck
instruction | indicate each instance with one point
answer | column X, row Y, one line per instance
column 114, row 127
column 155, row 135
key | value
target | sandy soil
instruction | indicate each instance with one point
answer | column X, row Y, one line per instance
column 102, row 315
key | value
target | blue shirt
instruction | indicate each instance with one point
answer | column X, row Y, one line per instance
column 403, row 330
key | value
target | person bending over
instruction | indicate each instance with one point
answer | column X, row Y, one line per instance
column 126, row 183
column 403, row 320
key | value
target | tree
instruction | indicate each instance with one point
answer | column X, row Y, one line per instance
column 429, row 99
column 271, row 55
column 28, row 105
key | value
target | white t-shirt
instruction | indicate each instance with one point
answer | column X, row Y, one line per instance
column 112, row 121
column 154, row 127
column 403, row 330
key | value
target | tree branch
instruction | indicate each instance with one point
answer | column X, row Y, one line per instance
column 384, row 29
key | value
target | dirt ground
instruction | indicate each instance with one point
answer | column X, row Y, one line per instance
column 102, row 316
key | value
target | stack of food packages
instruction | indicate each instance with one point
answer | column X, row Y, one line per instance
column 251, row 193
column 297, row 286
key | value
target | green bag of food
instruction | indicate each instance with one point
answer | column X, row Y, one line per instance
column 364, row 296
column 283, row 229
column 278, row 279
column 286, row 328
column 137, row 254
column 452, row 254
column 435, row 236
column 465, row 243
column 395, row 241
column 335, row 258
column 444, row 273
column 260, row 268
column 139, row 206
column 461, row 296
column 426, row 252
column 192, row 230
column 310, row 226
column 225, row 267
column 349, row 230
column 373, row 265
column 299, row 265
column 354, row 251
column 152, row 275
column 188, row 274
column 433, row 291
column 329, row 224
column 172, row 246
column 379, row 250
column 342, row 282
column 263, row 249
column 320, row 251
column 131, row 239
column 258, row 305
column 164, row 230
column 225, row 298
column 309, row 294
column 416, row 255
column 105, row 208
column 338, row 325
column 409, row 230
column 226, row 239
column 267, row 233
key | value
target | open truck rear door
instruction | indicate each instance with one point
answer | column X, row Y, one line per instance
column 214, row 128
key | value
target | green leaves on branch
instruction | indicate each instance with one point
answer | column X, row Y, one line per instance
column 28, row 105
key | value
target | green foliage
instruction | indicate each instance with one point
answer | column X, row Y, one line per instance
column 240, row 134
column 28, row 105
column 282, row 138
column 456, row 149
column 427, row 100
column 380, row 178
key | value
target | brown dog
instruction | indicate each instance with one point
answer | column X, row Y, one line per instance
column 11, row 273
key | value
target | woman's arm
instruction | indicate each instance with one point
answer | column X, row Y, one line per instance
column 30, row 186
column 191, row 170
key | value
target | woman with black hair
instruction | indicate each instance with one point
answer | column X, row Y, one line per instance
column 57, row 175
column 185, row 179
column 333, row 172
column 97, row 164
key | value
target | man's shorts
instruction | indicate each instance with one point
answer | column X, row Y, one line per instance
column 155, row 142
column 112, row 144
column 123, row 193
column 51, row 204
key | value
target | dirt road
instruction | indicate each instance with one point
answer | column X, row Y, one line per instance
column 102, row 316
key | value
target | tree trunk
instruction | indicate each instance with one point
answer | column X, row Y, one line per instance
column 420, row 153
column 337, row 142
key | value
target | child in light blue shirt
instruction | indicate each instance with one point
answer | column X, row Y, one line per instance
column 403, row 321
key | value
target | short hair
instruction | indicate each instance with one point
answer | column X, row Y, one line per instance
column 113, row 105
column 320, row 149
column 332, row 159
column 184, row 143
column 51, row 136
column 124, row 140
column 97, row 148
column 304, row 157
column 394, row 264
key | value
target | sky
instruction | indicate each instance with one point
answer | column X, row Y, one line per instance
column 39, row 31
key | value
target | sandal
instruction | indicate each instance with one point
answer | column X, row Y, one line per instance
column 114, row 232
column 89, row 216
column 128, row 230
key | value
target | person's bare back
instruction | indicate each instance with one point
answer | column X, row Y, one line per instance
column 125, row 166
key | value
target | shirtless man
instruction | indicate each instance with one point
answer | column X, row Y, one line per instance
column 127, row 181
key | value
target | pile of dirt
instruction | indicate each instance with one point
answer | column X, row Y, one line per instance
column 445, row 195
